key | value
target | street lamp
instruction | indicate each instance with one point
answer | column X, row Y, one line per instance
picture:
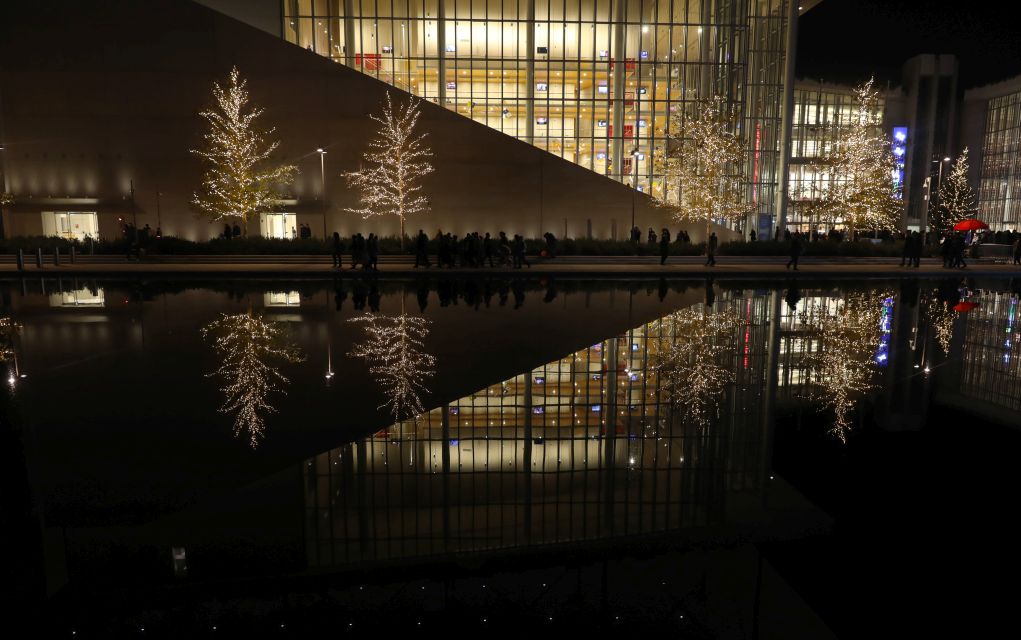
column 322, row 196
column 939, row 183
column 634, row 185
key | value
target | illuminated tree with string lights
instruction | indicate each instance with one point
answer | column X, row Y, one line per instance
column 250, row 350
column 956, row 198
column 394, row 350
column 240, row 178
column 858, row 170
column 391, row 183
column 842, row 365
column 690, row 358
column 703, row 165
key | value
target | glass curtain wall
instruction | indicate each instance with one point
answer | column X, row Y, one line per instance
column 591, row 81
column 991, row 371
column 582, row 448
column 818, row 114
column 1000, row 184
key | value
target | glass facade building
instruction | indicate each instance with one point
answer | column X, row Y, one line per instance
column 819, row 110
column 587, row 447
column 591, row 81
column 1000, row 184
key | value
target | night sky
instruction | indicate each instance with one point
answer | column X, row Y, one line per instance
column 848, row 40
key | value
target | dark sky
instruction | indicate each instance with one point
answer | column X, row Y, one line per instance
column 847, row 40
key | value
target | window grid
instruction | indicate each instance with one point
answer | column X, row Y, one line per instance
column 591, row 81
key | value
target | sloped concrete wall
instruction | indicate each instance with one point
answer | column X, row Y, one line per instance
column 101, row 96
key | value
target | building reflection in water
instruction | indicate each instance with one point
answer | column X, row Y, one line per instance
column 991, row 366
column 250, row 351
column 583, row 448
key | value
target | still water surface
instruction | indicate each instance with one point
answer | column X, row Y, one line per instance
column 685, row 455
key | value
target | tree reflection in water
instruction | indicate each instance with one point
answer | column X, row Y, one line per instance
column 941, row 317
column 691, row 358
column 842, row 366
column 249, row 350
column 394, row 350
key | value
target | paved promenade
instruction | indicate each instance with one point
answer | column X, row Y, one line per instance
column 403, row 266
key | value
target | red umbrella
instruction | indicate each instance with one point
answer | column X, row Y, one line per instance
column 965, row 307
column 971, row 224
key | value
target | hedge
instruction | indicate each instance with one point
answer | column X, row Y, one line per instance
column 390, row 245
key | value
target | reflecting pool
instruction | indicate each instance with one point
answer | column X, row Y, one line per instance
column 726, row 458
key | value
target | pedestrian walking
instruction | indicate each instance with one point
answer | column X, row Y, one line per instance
column 338, row 248
column 1017, row 249
column 796, row 248
column 710, row 250
column 906, row 250
column 421, row 250
column 664, row 246
column 372, row 247
column 916, row 249
column 487, row 249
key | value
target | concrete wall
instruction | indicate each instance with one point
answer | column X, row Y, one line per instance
column 110, row 102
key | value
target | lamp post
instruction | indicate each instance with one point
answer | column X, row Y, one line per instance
column 634, row 187
column 3, row 192
column 322, row 195
column 939, row 183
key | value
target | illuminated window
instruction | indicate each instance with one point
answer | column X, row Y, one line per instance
column 278, row 225
column 78, row 298
column 71, row 225
column 282, row 299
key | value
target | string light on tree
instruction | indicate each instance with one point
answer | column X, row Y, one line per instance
column 688, row 358
column 858, row 168
column 841, row 368
column 7, row 330
column 391, row 184
column 249, row 350
column 703, row 165
column 941, row 317
column 956, row 198
column 394, row 349
column 239, row 180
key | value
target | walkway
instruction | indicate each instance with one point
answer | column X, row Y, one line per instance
column 639, row 266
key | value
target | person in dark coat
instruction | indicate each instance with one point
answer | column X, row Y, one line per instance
column 421, row 250
column 907, row 250
column 338, row 249
column 487, row 249
column 1017, row 249
column 372, row 248
column 796, row 248
column 916, row 249
column 664, row 246
column 710, row 250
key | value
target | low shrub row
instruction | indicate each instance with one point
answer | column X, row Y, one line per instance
column 391, row 246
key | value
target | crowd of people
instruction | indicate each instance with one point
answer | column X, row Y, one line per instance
column 474, row 250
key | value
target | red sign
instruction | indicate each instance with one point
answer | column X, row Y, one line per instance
column 368, row 61
column 629, row 131
column 629, row 64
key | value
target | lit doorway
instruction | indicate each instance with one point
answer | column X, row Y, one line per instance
column 279, row 225
column 71, row 225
